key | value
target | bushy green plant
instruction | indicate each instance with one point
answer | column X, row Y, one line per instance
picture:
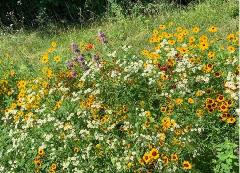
column 226, row 161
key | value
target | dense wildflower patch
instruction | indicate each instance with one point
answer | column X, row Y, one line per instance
column 163, row 110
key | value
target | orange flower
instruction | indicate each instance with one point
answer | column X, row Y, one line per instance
column 89, row 46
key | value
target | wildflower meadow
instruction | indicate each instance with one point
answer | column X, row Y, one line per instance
column 90, row 106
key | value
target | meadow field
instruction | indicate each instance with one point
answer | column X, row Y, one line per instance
column 142, row 93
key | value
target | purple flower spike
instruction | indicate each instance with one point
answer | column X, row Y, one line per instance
column 102, row 37
column 74, row 48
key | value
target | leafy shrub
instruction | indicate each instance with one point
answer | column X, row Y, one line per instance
column 30, row 12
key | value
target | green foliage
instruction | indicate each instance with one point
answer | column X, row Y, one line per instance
column 226, row 161
column 20, row 13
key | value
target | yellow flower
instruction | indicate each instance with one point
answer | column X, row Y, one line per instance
column 54, row 44
column 187, row 165
column 199, row 93
column 49, row 73
column 148, row 113
column 98, row 146
column 191, row 39
column 41, row 152
column 231, row 120
column 230, row 37
column 163, row 109
column 21, row 84
column 179, row 101
column 211, row 55
column 53, row 167
column 145, row 52
column 179, row 29
column 165, row 160
column 231, row 49
column 162, row 27
column 199, row 112
column 58, row 105
column 203, row 46
column 174, row 157
column 76, row 149
column 154, row 153
column 162, row 136
column 212, row 29
column 166, row 122
column 190, row 100
column 196, row 29
column 147, row 158
column 129, row 165
column 44, row 58
column 203, row 38
column 171, row 42
column 57, row 59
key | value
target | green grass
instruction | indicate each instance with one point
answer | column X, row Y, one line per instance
column 27, row 46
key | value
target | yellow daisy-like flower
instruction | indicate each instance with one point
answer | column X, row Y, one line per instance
column 230, row 37
column 162, row 27
column 44, row 58
column 187, row 165
column 211, row 55
column 49, row 73
column 179, row 101
column 196, row 29
column 162, row 136
column 213, row 29
column 231, row 49
column 57, row 58
column 174, row 157
column 147, row 158
column 154, row 153
column 171, row 42
column 54, row 44
column 41, row 152
column 203, row 46
column 191, row 39
column 190, row 100
column 199, row 112
column 179, row 29
column 231, row 120
column 148, row 113
column 21, row 84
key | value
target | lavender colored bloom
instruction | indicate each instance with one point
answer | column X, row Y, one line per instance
column 74, row 48
column 102, row 37
column 81, row 60
column 70, row 64
column 73, row 74
column 96, row 59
